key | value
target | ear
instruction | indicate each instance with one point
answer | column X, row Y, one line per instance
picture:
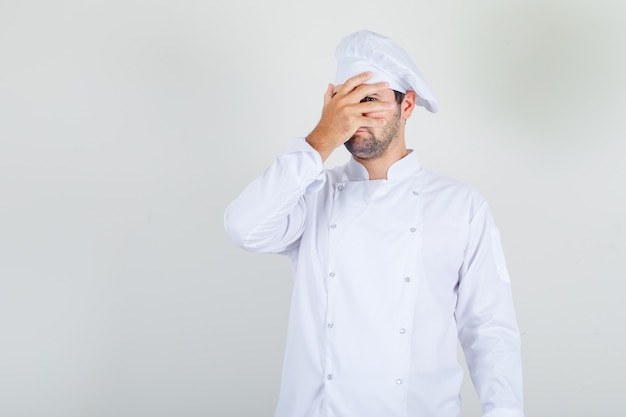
column 408, row 104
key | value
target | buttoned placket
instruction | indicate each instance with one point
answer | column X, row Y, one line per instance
column 409, row 281
column 330, row 281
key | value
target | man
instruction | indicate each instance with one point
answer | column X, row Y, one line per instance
column 392, row 263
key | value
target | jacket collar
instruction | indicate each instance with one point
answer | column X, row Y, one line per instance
column 403, row 168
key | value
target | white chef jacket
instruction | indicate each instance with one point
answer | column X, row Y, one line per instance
column 387, row 275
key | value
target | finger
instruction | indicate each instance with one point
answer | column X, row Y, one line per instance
column 329, row 94
column 365, row 90
column 365, row 121
column 353, row 82
column 373, row 106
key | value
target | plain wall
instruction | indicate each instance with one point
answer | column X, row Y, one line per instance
column 126, row 127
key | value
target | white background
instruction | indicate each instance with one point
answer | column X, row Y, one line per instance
column 126, row 127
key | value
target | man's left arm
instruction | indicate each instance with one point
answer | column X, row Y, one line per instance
column 486, row 321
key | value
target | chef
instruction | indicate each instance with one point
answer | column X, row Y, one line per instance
column 392, row 263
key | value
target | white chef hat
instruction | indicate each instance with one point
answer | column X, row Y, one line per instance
column 368, row 51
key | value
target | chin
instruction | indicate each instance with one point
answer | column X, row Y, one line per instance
column 363, row 152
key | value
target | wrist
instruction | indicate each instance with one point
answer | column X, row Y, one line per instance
column 324, row 149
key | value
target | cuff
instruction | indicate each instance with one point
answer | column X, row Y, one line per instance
column 307, row 163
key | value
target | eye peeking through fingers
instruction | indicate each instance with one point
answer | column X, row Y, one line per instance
column 368, row 99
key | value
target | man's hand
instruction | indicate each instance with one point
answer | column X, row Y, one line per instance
column 344, row 112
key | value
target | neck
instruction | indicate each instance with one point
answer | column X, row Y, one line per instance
column 377, row 168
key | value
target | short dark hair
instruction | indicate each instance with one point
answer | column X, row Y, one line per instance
column 399, row 96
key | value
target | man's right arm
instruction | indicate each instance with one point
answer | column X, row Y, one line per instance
column 270, row 213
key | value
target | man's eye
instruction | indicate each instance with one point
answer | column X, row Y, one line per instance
column 368, row 99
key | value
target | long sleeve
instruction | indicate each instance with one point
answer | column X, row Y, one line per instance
column 270, row 213
column 486, row 321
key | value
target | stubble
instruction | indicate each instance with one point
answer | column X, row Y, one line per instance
column 372, row 147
